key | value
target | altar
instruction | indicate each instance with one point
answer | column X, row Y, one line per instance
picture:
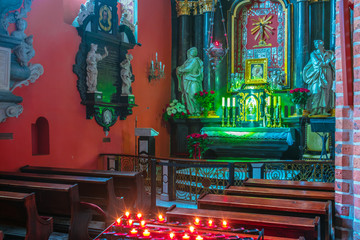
column 256, row 142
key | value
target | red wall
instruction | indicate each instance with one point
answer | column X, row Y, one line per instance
column 74, row 140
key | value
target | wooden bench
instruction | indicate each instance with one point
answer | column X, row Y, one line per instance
column 1, row 235
column 280, row 193
column 99, row 191
column 19, row 209
column 57, row 200
column 129, row 185
column 303, row 185
column 273, row 225
column 286, row 207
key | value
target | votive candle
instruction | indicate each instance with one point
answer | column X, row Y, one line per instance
column 133, row 231
column 228, row 102
column 186, row 237
column 199, row 237
column 172, row 235
column 146, row 233
column 142, row 223
column 161, row 218
column 223, row 102
column 139, row 215
column 130, row 222
column 191, row 229
column 233, row 102
column 224, row 224
column 197, row 221
column 210, row 223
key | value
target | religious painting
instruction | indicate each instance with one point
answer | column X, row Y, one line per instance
column 105, row 18
column 256, row 71
column 259, row 29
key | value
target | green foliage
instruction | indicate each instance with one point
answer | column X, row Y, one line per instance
column 206, row 100
column 299, row 95
column 175, row 110
column 197, row 144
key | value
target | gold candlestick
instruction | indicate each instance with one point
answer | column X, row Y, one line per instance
column 233, row 116
column 228, row 116
column 223, row 116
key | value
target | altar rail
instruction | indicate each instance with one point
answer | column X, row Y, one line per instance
column 186, row 179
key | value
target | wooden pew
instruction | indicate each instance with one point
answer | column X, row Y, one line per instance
column 99, row 191
column 129, row 185
column 57, row 200
column 19, row 209
column 280, row 193
column 273, row 225
column 287, row 207
column 303, row 185
column 1, row 235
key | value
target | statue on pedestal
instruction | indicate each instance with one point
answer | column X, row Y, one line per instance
column 319, row 74
column 126, row 75
column 190, row 76
column 92, row 72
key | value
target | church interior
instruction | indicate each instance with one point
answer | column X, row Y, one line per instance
column 179, row 119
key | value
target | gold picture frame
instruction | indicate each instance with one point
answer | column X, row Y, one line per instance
column 256, row 71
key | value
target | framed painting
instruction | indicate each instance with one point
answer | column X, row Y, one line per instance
column 256, row 71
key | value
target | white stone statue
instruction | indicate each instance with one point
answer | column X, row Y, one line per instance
column 91, row 60
column 20, row 28
column 25, row 51
column 125, row 20
column 126, row 75
column 190, row 76
column 85, row 10
column 319, row 74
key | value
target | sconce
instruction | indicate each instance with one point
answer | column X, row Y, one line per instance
column 156, row 69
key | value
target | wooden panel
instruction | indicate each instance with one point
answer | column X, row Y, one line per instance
column 318, row 186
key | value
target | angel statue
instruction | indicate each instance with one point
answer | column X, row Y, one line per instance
column 91, row 60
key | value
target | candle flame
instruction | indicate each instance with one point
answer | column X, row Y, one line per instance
column 192, row 229
column 172, row 235
column 224, row 223
column 139, row 215
column 210, row 222
column 197, row 220
column 118, row 220
column 133, row 231
column 142, row 223
column 199, row 237
column 130, row 222
column 127, row 214
column 146, row 233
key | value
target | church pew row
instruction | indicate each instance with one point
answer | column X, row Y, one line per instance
column 280, row 193
column 1, row 235
column 303, row 185
column 273, row 225
column 57, row 200
column 129, row 185
column 99, row 191
column 19, row 209
column 275, row 206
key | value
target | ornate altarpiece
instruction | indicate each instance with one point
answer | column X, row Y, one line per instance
column 246, row 41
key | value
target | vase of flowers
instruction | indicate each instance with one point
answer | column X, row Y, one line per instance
column 175, row 110
column 206, row 101
column 299, row 96
column 197, row 144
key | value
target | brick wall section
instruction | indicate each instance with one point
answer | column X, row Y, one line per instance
column 347, row 151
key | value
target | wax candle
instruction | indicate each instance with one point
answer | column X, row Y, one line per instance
column 130, row 222
column 146, row 233
column 274, row 99
column 152, row 64
column 118, row 221
column 186, row 237
column 197, row 221
column 142, row 223
column 224, row 224
column 210, row 223
column 133, row 231
column 233, row 102
column 156, row 56
column 160, row 65
column 139, row 215
column 228, row 102
column 161, row 218
column 172, row 235
column 191, row 229
column 199, row 237
column 127, row 214
column 223, row 102
column 164, row 67
column 279, row 100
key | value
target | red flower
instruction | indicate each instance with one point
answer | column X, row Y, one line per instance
column 163, row 110
column 212, row 92
column 296, row 89
column 302, row 90
column 201, row 94
column 195, row 94
column 172, row 114
column 291, row 91
column 182, row 113
column 167, row 105
column 206, row 92
column 188, row 112
column 307, row 90
column 185, row 103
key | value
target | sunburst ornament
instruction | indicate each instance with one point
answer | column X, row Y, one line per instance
column 262, row 30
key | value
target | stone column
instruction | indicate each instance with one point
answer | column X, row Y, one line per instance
column 183, row 12
column 198, row 32
column 301, row 40
column 205, row 10
column 320, row 20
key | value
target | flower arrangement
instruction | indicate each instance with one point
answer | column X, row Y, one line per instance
column 197, row 144
column 299, row 95
column 206, row 100
column 175, row 110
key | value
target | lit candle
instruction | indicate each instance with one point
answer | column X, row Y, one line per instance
column 228, row 102
column 172, row 235
column 199, row 237
column 161, row 218
column 233, row 102
column 164, row 67
column 152, row 64
column 191, row 229
column 160, row 65
column 223, row 102
column 127, row 214
column 133, row 231
column 118, row 221
column 279, row 100
column 274, row 99
column 130, row 222
column 197, row 221
column 210, row 223
column 142, row 223
column 224, row 224
column 139, row 215
column 146, row 233
column 156, row 56
column 186, row 237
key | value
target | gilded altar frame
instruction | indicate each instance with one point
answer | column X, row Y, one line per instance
column 288, row 38
column 256, row 71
